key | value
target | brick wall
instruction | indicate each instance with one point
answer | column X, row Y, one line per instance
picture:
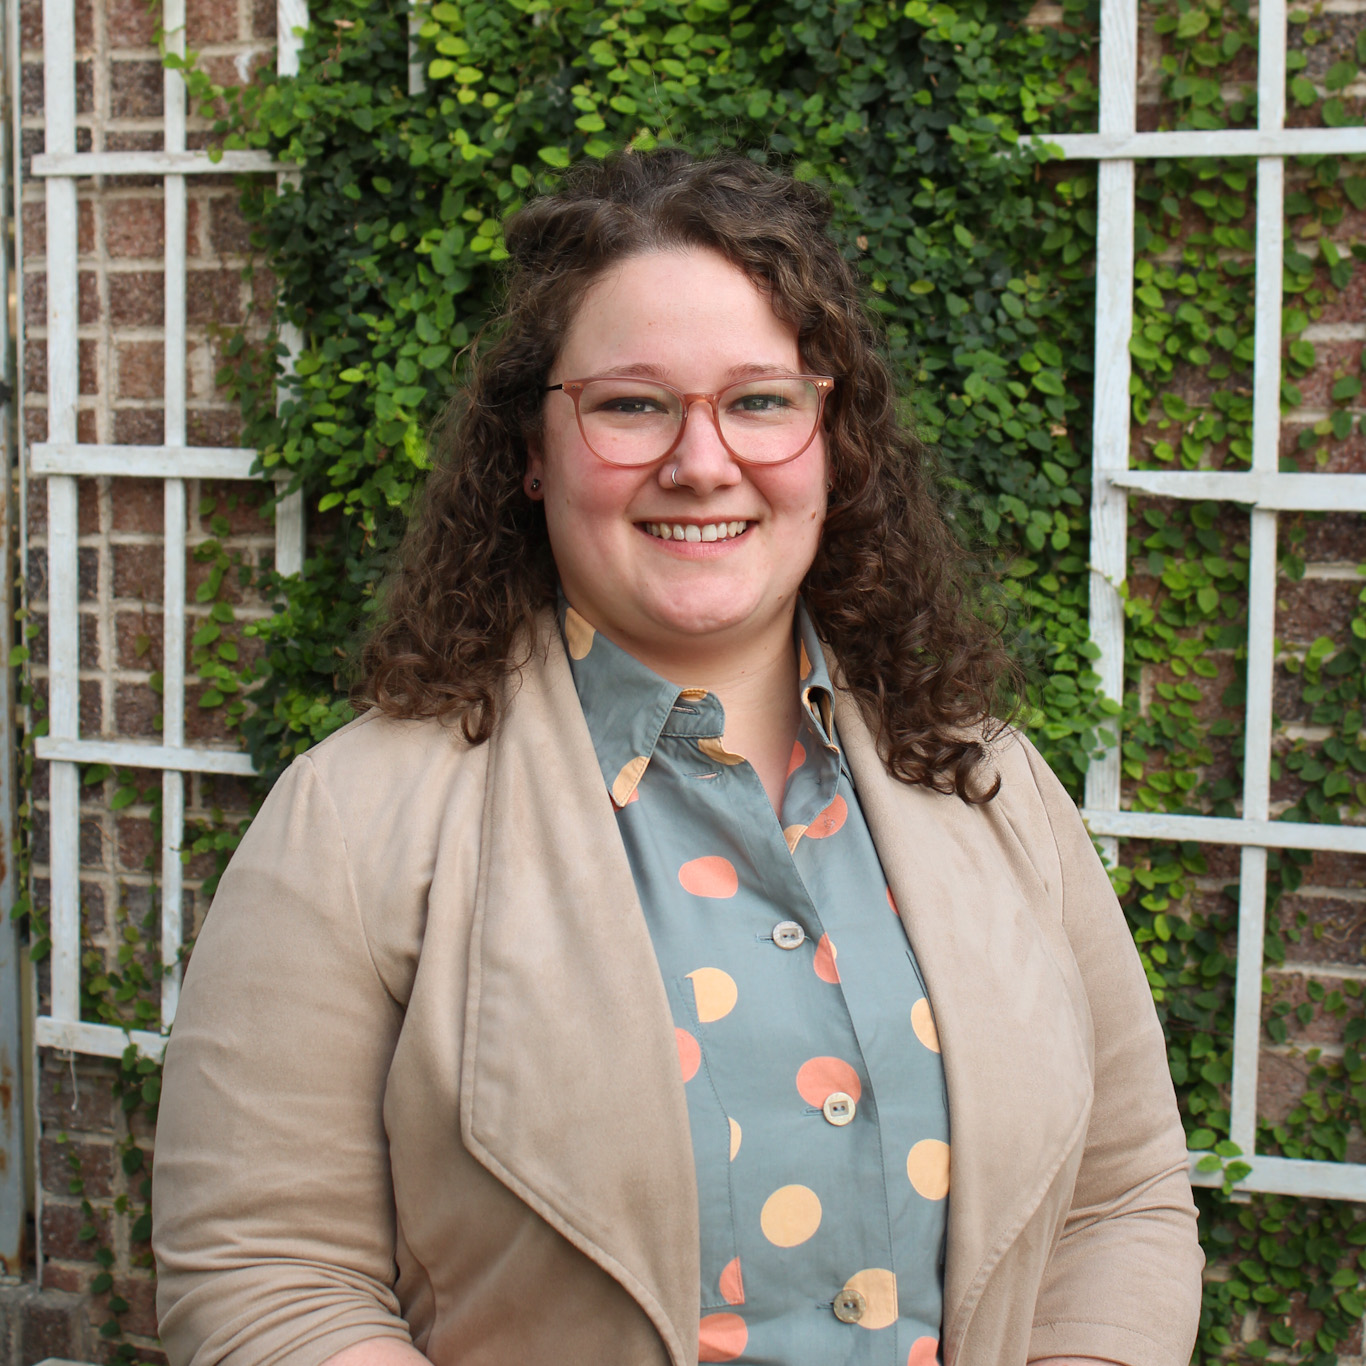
column 120, row 243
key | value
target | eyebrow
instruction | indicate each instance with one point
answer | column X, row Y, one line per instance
column 645, row 370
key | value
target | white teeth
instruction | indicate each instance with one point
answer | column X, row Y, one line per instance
column 678, row 531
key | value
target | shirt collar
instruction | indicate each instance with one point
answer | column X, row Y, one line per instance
column 628, row 706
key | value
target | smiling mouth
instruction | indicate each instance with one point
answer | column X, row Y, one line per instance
column 690, row 531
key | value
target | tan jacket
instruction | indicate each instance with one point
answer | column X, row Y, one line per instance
column 424, row 1077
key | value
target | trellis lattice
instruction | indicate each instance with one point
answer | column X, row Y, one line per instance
column 61, row 460
column 1117, row 146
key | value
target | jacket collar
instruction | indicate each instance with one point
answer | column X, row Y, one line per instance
column 570, row 1087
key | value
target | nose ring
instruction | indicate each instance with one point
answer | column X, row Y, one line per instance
column 673, row 474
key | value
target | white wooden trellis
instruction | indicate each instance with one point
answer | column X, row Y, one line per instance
column 1117, row 146
column 61, row 460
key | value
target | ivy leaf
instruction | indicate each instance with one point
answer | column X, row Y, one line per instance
column 1303, row 91
column 554, row 156
column 1339, row 75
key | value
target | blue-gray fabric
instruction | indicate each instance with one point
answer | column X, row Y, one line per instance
column 794, row 1210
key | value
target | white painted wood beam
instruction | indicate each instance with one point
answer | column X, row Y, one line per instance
column 1258, row 488
column 1110, row 421
column 73, row 164
column 1223, row 142
column 59, row 134
column 140, row 754
column 1158, row 825
column 147, row 462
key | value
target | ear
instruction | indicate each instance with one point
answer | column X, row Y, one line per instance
column 535, row 472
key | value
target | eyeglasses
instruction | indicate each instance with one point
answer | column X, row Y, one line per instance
column 762, row 421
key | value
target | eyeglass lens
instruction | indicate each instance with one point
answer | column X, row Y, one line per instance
column 633, row 422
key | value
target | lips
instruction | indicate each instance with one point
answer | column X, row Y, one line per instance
column 693, row 531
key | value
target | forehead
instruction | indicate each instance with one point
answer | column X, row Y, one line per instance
column 674, row 308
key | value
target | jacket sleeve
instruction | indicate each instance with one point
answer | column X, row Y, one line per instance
column 1123, row 1283
column 272, row 1199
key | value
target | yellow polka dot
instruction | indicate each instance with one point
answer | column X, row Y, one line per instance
column 715, row 992
column 793, row 835
column 578, row 634
column 878, row 1288
column 804, row 664
column 790, row 1215
column 625, row 783
column 734, row 1138
column 714, row 749
column 927, row 1165
column 693, row 694
column 922, row 1021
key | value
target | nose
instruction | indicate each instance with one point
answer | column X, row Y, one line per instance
column 700, row 461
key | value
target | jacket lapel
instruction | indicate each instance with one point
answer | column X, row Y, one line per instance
column 1016, row 1067
column 571, row 1092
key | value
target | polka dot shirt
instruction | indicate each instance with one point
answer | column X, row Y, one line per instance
column 806, row 1040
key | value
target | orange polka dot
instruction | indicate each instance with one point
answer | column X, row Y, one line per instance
column 721, row 1337
column 732, row 1283
column 891, row 901
column 927, row 1165
column 634, row 797
column 578, row 634
column 804, row 664
column 734, row 1138
column 922, row 1021
column 818, row 1077
column 790, row 1215
column 689, row 1054
column 824, row 961
column 924, row 1352
column 712, row 876
column 878, row 1288
column 830, row 820
column 715, row 993
column 798, row 758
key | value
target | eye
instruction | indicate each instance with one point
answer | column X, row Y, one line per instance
column 625, row 400
column 759, row 403
column 627, row 405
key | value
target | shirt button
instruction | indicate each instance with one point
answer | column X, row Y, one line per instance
column 839, row 1110
column 849, row 1306
column 789, row 935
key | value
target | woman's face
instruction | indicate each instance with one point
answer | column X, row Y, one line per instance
column 692, row 320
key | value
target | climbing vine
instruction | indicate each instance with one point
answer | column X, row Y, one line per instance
column 977, row 245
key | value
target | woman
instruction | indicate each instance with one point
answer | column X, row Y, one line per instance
column 555, row 1009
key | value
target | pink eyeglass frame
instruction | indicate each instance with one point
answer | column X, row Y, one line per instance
column 574, row 388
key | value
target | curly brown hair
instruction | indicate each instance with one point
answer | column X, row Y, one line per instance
column 891, row 589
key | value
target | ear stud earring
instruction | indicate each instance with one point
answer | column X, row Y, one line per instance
column 535, row 485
